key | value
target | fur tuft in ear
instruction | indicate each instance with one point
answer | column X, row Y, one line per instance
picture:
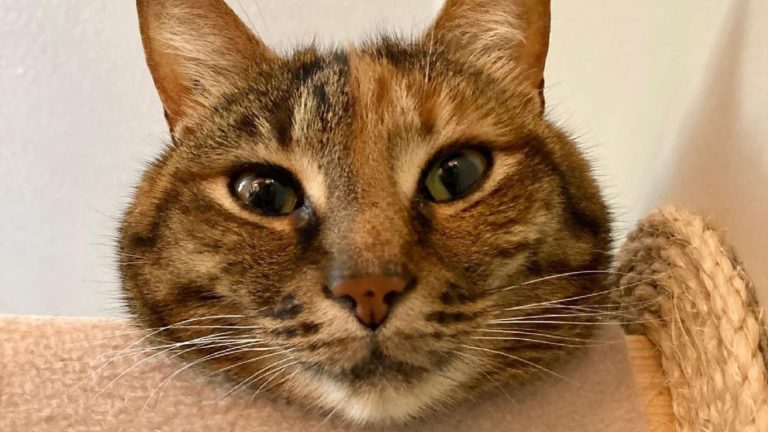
column 507, row 38
column 196, row 49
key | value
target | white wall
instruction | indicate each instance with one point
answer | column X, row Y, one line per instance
column 670, row 97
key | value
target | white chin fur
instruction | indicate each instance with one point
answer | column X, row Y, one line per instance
column 383, row 403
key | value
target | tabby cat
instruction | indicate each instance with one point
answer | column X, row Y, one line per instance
column 378, row 231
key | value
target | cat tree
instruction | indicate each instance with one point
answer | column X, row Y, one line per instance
column 704, row 320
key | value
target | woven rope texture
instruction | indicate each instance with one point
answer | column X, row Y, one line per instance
column 686, row 291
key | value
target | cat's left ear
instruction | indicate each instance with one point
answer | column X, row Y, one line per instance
column 196, row 49
column 507, row 38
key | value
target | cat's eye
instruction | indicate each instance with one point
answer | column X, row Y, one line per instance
column 455, row 174
column 268, row 193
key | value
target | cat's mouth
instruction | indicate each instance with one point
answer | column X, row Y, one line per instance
column 377, row 365
column 381, row 387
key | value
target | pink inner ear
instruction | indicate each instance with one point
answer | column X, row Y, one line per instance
column 174, row 93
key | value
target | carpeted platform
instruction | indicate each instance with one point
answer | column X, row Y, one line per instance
column 61, row 374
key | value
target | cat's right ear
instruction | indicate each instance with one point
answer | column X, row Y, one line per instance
column 196, row 49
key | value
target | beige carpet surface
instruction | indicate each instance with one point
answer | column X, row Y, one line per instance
column 55, row 375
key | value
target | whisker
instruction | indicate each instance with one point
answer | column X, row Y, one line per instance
column 514, row 357
column 101, row 339
column 596, row 307
column 489, row 377
column 607, row 323
column 328, row 417
column 138, row 341
column 429, row 56
column 132, row 367
column 222, row 327
column 589, row 314
column 254, row 377
column 195, row 319
column 128, row 263
column 121, row 253
column 222, row 337
column 537, row 341
column 595, row 294
column 155, row 355
column 253, row 359
column 546, row 335
column 200, row 344
column 125, row 352
column 219, row 354
column 274, row 374
column 557, row 276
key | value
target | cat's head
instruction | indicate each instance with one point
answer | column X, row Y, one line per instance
column 376, row 230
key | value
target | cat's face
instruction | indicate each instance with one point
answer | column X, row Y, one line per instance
column 358, row 229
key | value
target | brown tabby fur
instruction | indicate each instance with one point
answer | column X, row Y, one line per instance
column 357, row 127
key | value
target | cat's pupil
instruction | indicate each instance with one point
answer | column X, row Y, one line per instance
column 265, row 194
column 450, row 176
column 454, row 176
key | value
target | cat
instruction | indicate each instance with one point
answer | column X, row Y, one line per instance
column 378, row 231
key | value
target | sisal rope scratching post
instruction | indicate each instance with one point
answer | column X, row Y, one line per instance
column 699, row 309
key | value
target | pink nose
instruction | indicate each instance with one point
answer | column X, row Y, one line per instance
column 372, row 296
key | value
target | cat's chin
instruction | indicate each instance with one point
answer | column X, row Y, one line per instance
column 387, row 396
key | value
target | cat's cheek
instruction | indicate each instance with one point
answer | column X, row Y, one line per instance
column 506, row 271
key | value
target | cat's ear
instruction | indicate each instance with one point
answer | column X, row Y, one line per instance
column 196, row 49
column 508, row 38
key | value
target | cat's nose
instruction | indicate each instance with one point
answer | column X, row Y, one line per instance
column 372, row 296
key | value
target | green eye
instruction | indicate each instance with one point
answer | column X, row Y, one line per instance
column 454, row 175
column 266, row 194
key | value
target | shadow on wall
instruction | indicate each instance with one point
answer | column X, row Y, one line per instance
column 721, row 168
